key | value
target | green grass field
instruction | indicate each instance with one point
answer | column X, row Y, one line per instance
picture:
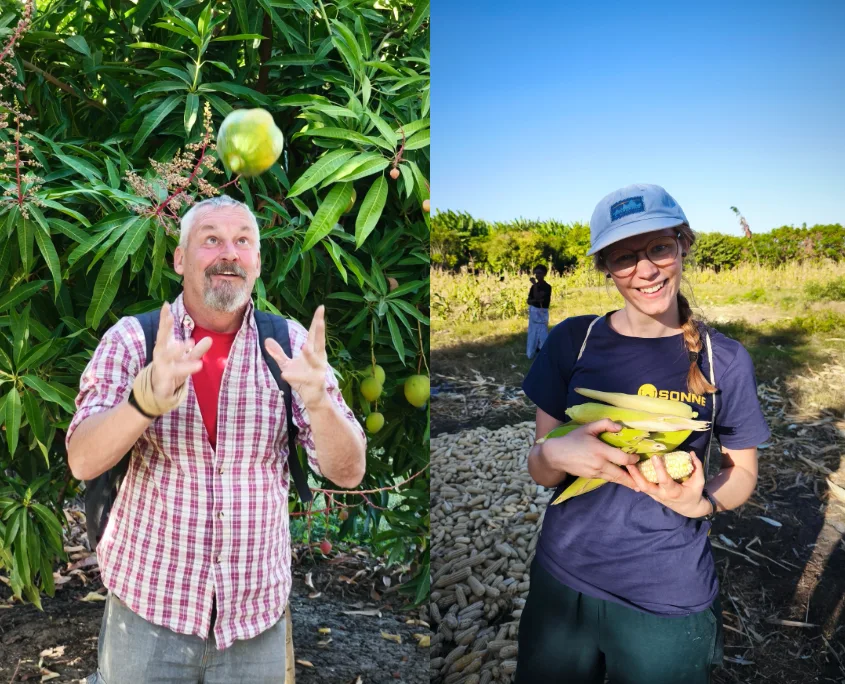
column 787, row 318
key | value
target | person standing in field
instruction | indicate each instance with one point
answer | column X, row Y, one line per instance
column 196, row 553
column 623, row 583
column 539, row 298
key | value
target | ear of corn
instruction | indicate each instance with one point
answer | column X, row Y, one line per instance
column 637, row 402
column 638, row 420
column 678, row 465
column 650, row 426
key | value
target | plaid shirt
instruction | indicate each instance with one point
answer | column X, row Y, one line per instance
column 191, row 522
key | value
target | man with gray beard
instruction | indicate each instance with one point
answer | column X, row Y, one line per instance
column 196, row 553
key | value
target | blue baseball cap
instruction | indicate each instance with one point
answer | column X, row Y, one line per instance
column 633, row 210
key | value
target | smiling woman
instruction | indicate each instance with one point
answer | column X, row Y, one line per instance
column 582, row 585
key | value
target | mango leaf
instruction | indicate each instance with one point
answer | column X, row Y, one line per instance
column 421, row 13
column 371, row 210
column 408, row 178
column 20, row 293
column 162, row 87
column 51, row 524
column 365, row 164
column 239, row 36
column 396, row 336
column 401, row 316
column 114, row 178
column 411, row 128
column 330, row 210
column 153, row 119
column 48, row 584
column 105, row 290
column 66, row 210
column 79, row 44
column 48, row 251
column 192, row 105
column 156, row 46
column 407, row 287
column 334, row 252
column 48, row 393
column 22, row 548
column 132, row 240
column 36, row 422
column 13, row 418
column 237, row 90
column 26, row 232
column 38, row 353
column 222, row 66
column 13, row 526
column 385, row 130
column 405, row 306
column 344, row 134
column 421, row 139
column 83, row 168
column 321, row 169
column 159, row 253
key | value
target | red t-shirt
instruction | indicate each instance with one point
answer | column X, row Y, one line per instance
column 207, row 381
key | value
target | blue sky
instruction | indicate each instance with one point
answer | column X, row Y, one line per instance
column 540, row 109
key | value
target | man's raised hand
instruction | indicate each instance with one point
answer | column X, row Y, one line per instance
column 306, row 374
column 174, row 360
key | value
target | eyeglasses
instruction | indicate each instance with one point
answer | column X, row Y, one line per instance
column 661, row 251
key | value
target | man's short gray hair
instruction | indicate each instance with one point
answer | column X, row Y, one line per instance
column 187, row 222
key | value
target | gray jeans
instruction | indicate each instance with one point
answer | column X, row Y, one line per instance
column 133, row 651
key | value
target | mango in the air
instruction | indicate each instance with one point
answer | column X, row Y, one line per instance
column 249, row 142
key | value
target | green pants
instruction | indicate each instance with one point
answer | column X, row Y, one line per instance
column 566, row 637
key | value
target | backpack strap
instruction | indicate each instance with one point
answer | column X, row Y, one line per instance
column 270, row 325
column 713, row 417
column 101, row 492
column 586, row 335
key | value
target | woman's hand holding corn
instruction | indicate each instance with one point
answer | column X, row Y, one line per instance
column 682, row 497
column 583, row 454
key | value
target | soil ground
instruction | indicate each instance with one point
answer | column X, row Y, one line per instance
column 63, row 638
column 781, row 556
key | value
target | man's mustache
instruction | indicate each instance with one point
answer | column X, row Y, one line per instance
column 225, row 269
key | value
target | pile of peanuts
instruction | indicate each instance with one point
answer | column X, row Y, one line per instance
column 486, row 516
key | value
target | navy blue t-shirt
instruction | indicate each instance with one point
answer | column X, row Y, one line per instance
column 614, row 543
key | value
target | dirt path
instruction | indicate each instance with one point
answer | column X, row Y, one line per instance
column 63, row 639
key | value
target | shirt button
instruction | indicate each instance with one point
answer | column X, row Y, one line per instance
column 220, row 559
column 220, row 471
column 220, row 515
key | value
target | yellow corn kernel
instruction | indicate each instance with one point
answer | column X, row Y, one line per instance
column 678, row 465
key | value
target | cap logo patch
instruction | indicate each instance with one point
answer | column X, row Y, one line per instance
column 626, row 207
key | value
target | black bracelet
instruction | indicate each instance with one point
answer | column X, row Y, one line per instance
column 134, row 402
column 710, row 516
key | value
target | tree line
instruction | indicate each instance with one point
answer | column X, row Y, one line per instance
column 458, row 239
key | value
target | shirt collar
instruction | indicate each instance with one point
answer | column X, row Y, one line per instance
column 186, row 323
